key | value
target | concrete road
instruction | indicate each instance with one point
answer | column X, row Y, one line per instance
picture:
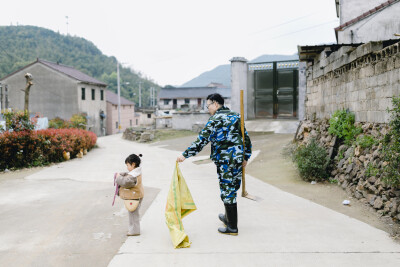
column 280, row 230
column 62, row 215
column 66, row 219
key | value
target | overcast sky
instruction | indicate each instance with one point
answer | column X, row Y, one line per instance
column 173, row 41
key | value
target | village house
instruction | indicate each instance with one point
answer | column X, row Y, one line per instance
column 58, row 91
column 146, row 116
column 127, row 114
column 360, row 73
column 190, row 98
column 364, row 21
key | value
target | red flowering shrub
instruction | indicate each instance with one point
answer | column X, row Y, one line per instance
column 33, row 148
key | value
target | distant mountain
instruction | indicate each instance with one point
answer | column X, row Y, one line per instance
column 21, row 45
column 222, row 73
column 269, row 58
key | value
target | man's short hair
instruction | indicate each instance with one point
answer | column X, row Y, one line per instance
column 216, row 98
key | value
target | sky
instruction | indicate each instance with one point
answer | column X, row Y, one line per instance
column 174, row 41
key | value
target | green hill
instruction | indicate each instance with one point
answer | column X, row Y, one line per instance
column 21, row 45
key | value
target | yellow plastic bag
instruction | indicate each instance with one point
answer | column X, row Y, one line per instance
column 179, row 204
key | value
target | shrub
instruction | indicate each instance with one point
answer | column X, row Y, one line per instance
column 365, row 141
column 33, row 148
column 58, row 123
column 342, row 125
column 312, row 161
column 391, row 147
column 18, row 121
column 78, row 121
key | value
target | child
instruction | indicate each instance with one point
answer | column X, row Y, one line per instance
column 130, row 187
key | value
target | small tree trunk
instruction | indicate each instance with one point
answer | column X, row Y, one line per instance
column 29, row 83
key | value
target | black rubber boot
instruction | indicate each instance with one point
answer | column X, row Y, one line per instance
column 231, row 219
column 222, row 218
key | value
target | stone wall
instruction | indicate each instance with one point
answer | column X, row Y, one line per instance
column 362, row 80
column 349, row 165
column 186, row 120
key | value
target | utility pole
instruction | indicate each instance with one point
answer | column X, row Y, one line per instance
column 152, row 96
column 1, row 97
column 119, row 99
column 140, row 94
column 67, row 23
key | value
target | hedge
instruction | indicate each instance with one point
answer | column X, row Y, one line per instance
column 34, row 148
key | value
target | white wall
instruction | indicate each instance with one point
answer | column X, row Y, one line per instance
column 92, row 107
column 350, row 9
column 379, row 26
column 185, row 121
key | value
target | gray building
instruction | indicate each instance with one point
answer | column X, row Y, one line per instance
column 364, row 21
column 58, row 91
column 193, row 98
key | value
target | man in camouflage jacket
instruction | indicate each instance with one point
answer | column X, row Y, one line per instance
column 224, row 132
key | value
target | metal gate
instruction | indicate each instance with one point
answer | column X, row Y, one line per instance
column 276, row 89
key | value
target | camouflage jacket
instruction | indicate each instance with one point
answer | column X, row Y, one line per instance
column 224, row 133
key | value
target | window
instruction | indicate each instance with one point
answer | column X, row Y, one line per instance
column 187, row 100
column 93, row 94
column 116, row 125
column 137, row 122
column 130, row 122
column 166, row 101
column 101, row 95
column 149, row 116
column 83, row 94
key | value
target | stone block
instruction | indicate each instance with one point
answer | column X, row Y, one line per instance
column 397, row 61
column 380, row 67
column 344, row 49
column 362, row 95
column 370, row 47
column 387, row 91
column 359, row 51
column 353, row 55
column 146, row 137
column 382, row 79
column 361, row 116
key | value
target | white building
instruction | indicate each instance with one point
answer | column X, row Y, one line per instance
column 363, row 21
column 190, row 98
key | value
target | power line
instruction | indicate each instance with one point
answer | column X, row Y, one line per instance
column 284, row 23
column 305, row 29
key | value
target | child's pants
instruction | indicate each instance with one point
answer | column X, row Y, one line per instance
column 134, row 221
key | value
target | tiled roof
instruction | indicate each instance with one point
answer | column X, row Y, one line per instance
column 113, row 99
column 366, row 14
column 71, row 72
column 192, row 92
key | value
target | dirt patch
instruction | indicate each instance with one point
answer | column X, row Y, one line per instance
column 272, row 167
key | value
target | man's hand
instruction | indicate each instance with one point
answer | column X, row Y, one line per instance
column 180, row 158
column 244, row 163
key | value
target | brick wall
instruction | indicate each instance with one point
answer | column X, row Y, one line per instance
column 362, row 79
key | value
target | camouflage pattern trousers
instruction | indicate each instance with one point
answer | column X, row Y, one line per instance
column 230, row 178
